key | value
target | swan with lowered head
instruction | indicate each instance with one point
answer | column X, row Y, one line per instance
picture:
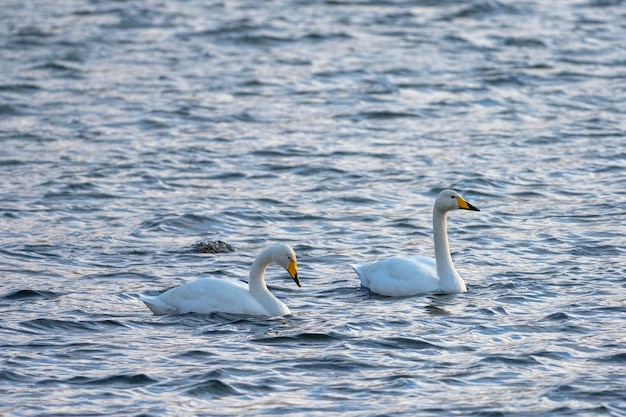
column 209, row 295
column 418, row 274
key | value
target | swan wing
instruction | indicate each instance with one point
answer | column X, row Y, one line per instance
column 205, row 296
column 400, row 276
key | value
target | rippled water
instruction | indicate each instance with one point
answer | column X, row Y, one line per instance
column 129, row 131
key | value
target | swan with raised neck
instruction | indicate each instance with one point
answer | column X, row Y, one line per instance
column 403, row 276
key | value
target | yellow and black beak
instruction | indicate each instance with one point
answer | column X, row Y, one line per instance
column 465, row 205
column 293, row 272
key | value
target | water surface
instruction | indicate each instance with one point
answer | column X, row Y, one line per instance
column 131, row 131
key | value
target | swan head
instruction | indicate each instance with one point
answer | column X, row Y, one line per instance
column 451, row 200
column 284, row 256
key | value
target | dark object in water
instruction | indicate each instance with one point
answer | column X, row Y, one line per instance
column 215, row 246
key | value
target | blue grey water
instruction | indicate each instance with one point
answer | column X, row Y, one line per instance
column 130, row 131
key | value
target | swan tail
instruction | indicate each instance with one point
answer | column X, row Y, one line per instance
column 362, row 277
column 158, row 307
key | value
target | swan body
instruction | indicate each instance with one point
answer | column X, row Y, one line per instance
column 209, row 295
column 405, row 276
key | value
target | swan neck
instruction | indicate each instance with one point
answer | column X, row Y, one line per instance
column 442, row 249
column 256, row 279
column 450, row 281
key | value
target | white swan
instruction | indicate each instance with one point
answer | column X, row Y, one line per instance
column 209, row 295
column 419, row 274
